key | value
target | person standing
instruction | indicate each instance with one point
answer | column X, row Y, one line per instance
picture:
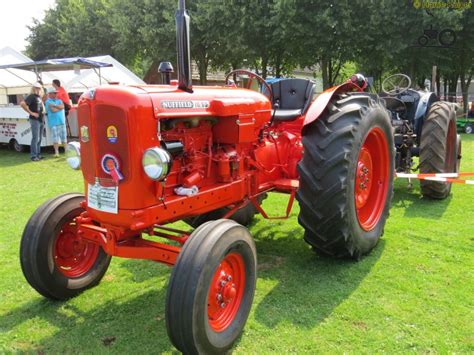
column 56, row 120
column 64, row 97
column 33, row 105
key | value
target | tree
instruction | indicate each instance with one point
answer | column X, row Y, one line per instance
column 72, row 28
column 324, row 35
column 144, row 32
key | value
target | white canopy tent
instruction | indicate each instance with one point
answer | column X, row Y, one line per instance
column 18, row 82
column 15, row 83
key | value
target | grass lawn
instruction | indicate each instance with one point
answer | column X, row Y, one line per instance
column 413, row 293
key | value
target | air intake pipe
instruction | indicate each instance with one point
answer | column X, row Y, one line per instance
column 183, row 48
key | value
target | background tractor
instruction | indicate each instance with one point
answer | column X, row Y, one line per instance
column 153, row 155
column 426, row 128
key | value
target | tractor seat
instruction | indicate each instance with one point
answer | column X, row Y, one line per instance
column 293, row 97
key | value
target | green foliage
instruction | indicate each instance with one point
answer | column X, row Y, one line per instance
column 271, row 37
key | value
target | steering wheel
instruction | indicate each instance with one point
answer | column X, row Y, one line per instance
column 267, row 90
column 396, row 84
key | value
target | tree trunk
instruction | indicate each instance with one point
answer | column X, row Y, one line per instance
column 264, row 67
column 438, row 84
column 452, row 87
column 325, row 73
column 202, row 63
column 465, row 89
column 445, row 89
column 152, row 75
column 278, row 67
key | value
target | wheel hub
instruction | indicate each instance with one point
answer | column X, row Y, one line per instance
column 363, row 178
column 72, row 255
column 226, row 292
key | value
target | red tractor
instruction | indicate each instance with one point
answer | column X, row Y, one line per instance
column 153, row 155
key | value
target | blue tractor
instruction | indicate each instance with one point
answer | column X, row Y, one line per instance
column 424, row 127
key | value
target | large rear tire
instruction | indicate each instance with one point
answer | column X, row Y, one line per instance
column 438, row 148
column 54, row 259
column 346, row 176
column 211, row 288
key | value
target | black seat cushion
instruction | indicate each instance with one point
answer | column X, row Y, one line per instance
column 286, row 115
column 293, row 97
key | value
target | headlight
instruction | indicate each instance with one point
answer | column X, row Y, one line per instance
column 156, row 163
column 73, row 155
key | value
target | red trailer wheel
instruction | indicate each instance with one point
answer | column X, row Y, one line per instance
column 55, row 261
column 211, row 288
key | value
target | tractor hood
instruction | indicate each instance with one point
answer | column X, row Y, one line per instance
column 169, row 102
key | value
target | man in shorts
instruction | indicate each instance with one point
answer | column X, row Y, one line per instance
column 56, row 120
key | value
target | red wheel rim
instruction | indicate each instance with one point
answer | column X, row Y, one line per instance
column 73, row 256
column 372, row 178
column 226, row 292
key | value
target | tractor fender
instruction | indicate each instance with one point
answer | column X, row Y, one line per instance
column 321, row 102
column 423, row 106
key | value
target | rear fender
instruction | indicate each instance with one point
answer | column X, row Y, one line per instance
column 319, row 105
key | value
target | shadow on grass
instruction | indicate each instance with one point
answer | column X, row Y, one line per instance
column 417, row 206
column 308, row 287
column 118, row 326
column 9, row 157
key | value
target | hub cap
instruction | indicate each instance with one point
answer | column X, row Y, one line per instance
column 226, row 292
column 372, row 178
column 72, row 255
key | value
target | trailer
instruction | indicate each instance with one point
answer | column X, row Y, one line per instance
column 15, row 129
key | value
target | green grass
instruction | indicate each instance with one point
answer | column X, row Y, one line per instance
column 413, row 293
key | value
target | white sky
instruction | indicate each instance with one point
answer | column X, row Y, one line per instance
column 15, row 15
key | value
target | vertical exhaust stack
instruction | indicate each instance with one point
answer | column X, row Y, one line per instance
column 183, row 47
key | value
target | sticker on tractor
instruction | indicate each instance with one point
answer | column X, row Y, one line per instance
column 103, row 198
column 85, row 134
column 112, row 134
column 184, row 104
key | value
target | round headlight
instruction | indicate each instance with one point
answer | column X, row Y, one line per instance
column 73, row 155
column 156, row 163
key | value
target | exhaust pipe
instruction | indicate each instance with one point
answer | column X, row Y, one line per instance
column 183, row 47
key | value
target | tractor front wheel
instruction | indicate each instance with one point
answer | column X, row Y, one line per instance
column 55, row 260
column 346, row 176
column 438, row 148
column 211, row 288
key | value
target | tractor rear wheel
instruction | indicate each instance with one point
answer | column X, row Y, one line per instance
column 346, row 176
column 438, row 148
column 54, row 259
column 243, row 216
column 211, row 288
